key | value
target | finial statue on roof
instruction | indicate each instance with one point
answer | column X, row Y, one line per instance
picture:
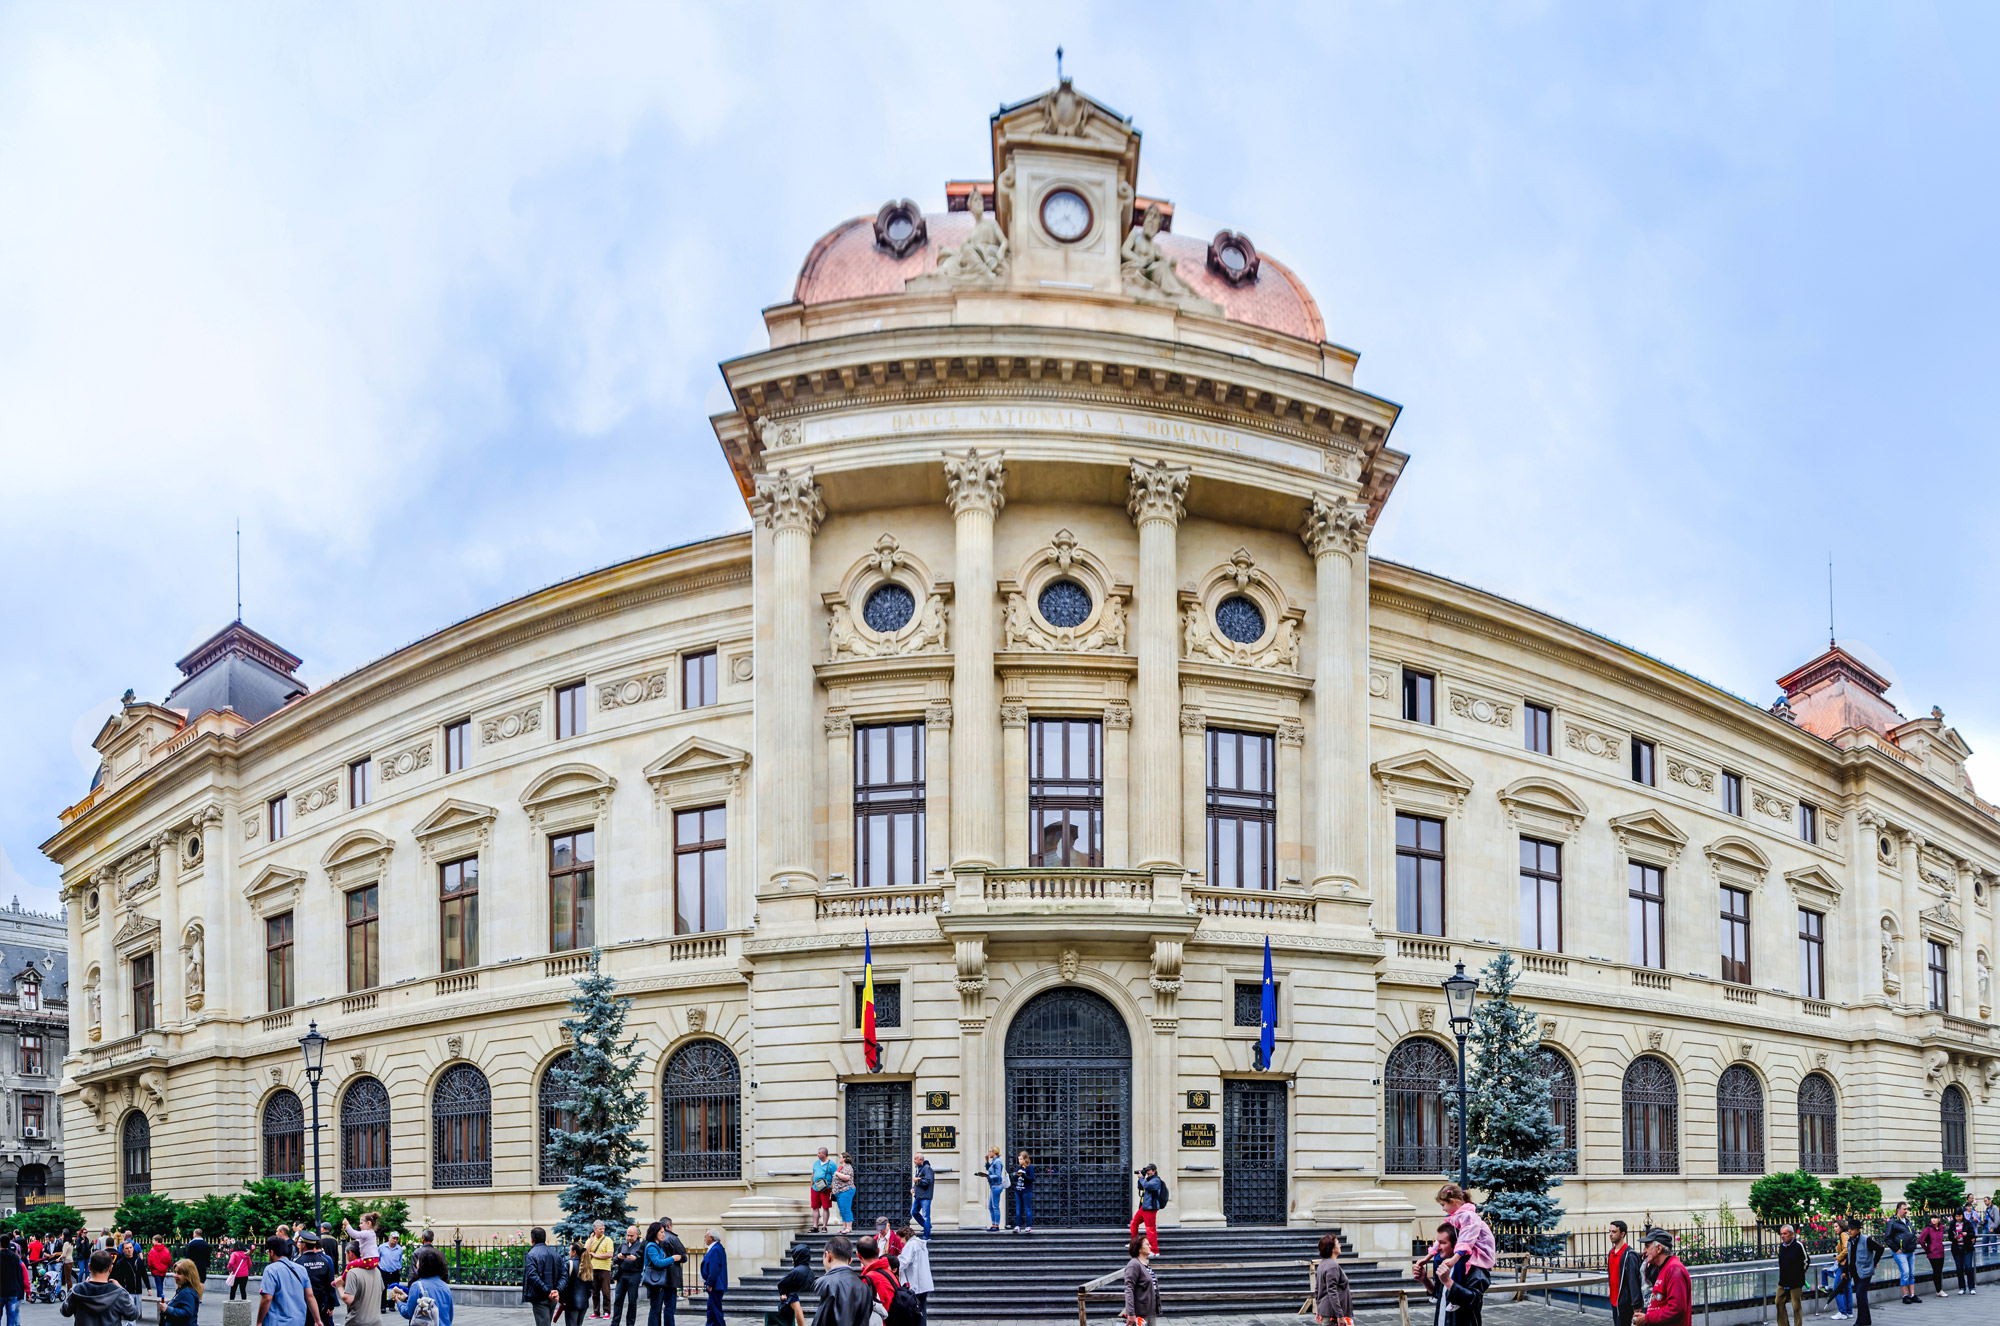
column 1145, row 263
column 983, row 255
column 1937, row 713
column 1063, row 111
column 129, row 697
column 1059, row 77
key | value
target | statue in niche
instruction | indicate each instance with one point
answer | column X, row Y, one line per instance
column 1891, row 983
column 95, row 1000
column 1985, row 983
column 983, row 255
column 192, row 955
column 1144, row 263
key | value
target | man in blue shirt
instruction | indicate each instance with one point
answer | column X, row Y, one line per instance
column 390, row 1263
column 923, row 1185
column 714, row 1275
column 284, row 1299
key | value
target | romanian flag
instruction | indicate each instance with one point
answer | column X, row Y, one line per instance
column 871, row 1048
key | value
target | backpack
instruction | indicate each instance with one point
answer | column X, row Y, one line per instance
column 425, row 1310
column 1163, row 1194
column 904, row 1309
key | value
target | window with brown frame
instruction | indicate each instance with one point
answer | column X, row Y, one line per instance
column 1065, row 792
column 1419, row 875
column 278, row 961
column 701, row 858
column 1419, row 696
column 1808, row 822
column 889, row 805
column 34, row 1116
column 1541, row 895
column 142, row 992
column 1242, row 810
column 31, row 1054
column 1646, row 892
column 569, row 711
column 1937, row 963
column 364, row 943
column 457, row 745
column 1736, row 936
column 1540, row 729
column 31, row 995
column 1732, row 794
column 1812, row 954
column 360, row 783
column 698, row 680
column 458, row 914
column 1642, row 762
column 280, row 815
column 572, row 890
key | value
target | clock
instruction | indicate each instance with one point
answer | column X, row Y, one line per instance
column 1066, row 215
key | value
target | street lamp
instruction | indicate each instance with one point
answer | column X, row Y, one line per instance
column 1459, row 992
column 314, row 1046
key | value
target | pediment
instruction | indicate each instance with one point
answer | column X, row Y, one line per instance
column 1425, row 775
column 137, row 932
column 1649, row 828
column 1736, row 854
column 452, row 815
column 360, row 845
column 1814, row 884
column 565, row 782
column 697, row 755
column 274, row 888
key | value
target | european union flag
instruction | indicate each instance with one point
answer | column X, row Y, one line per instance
column 1267, row 1035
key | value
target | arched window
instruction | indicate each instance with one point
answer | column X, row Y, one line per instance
column 462, row 1129
column 556, row 1117
column 364, row 1136
column 1652, row 1118
column 284, row 1137
column 1739, row 1122
column 32, row 1181
column 1819, row 1132
column 136, row 1146
column 1952, row 1117
column 700, row 1103
column 1421, row 1135
column 1562, row 1103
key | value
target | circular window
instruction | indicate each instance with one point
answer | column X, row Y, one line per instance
column 900, row 229
column 889, row 608
column 1232, row 257
column 90, row 901
column 1066, row 215
column 193, row 850
column 1884, row 847
column 1240, row 620
column 1064, row 604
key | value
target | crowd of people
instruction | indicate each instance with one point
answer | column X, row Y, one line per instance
column 599, row 1276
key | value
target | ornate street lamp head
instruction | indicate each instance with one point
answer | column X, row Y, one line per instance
column 1459, row 992
column 314, row 1046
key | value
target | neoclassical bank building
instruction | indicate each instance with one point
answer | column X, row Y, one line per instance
column 1054, row 658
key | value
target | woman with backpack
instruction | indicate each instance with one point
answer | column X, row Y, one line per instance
column 578, row 1283
column 915, row 1264
column 1964, row 1233
column 428, row 1297
column 1902, row 1241
column 1024, row 1195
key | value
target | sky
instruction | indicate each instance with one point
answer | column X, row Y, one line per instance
column 1679, row 301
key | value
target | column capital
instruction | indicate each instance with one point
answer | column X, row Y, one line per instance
column 1156, row 492
column 975, row 483
column 1193, row 721
column 1118, row 715
column 1335, row 525
column 938, row 714
column 790, row 501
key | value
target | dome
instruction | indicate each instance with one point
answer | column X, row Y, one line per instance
column 847, row 263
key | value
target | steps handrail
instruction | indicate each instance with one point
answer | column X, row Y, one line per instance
column 1401, row 1292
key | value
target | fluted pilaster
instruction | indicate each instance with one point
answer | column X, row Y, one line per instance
column 975, row 486
column 1156, row 493
column 1336, row 534
column 167, row 850
column 791, row 508
column 218, row 928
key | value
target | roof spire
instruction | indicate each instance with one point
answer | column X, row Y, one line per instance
column 239, row 568
column 1829, row 599
column 1059, row 77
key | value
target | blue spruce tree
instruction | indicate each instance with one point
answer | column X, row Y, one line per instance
column 597, row 1080
column 1515, row 1148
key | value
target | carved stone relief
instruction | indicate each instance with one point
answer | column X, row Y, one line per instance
column 1768, row 804
column 1690, row 775
column 317, row 797
column 697, row 1020
column 1479, row 709
column 981, row 258
column 1068, row 964
column 1591, row 741
column 635, row 690
column 405, row 761
column 1335, row 525
column 1426, row 1016
column 506, row 727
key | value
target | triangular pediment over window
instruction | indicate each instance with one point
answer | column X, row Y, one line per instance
column 1422, row 778
column 274, row 888
column 697, row 765
column 1649, row 831
column 1543, row 806
column 1814, row 884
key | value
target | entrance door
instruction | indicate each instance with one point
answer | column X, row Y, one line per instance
column 878, row 1137
column 1069, row 1106
column 1253, row 1155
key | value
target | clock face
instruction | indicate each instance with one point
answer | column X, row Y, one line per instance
column 1065, row 215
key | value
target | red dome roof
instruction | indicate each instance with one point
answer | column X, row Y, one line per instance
column 846, row 264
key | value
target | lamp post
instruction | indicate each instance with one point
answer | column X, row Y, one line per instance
column 314, row 1046
column 1459, row 992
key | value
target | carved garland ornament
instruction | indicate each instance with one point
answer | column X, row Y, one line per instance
column 635, row 690
column 1479, row 709
column 406, row 761
column 1590, row 741
column 505, row 727
column 1767, row 804
column 886, row 570
column 1084, row 582
column 318, row 797
column 1269, row 631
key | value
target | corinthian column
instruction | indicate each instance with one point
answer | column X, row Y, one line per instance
column 218, row 926
column 975, row 485
column 1336, row 534
column 791, row 508
column 1155, row 507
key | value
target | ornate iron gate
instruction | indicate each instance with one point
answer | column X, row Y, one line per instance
column 1069, row 1106
column 878, row 1137
column 1253, row 1156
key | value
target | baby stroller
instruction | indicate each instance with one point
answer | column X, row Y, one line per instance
column 47, row 1286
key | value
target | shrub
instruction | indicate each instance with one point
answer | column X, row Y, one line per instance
column 211, row 1215
column 1849, row 1195
column 1939, row 1190
column 1787, row 1197
column 147, row 1214
column 46, row 1220
column 265, row 1204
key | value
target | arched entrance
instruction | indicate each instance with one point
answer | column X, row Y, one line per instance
column 1069, row 1106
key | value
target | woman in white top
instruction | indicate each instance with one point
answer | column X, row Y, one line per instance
column 914, row 1264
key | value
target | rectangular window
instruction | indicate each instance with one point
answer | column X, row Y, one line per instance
column 280, row 813
column 1419, row 690
column 698, row 679
column 364, row 938
column 1541, row 895
column 1642, row 762
column 701, row 853
column 889, row 805
column 1812, row 954
column 31, row 1054
column 1540, row 729
column 278, row 961
column 1808, row 822
column 569, row 711
column 1065, row 792
column 458, row 914
column 1249, row 1001
column 360, row 783
column 31, row 996
column 1732, row 793
column 1736, row 936
column 1938, row 964
column 1242, row 810
column 1646, row 890
column 34, row 1117
column 1419, row 875
column 572, row 890
column 457, row 745
column 142, row 993
column 888, row 1005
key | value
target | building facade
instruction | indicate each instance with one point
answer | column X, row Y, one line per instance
column 34, row 1039
column 1055, row 661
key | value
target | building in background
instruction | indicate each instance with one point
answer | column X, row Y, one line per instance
column 34, row 1015
column 1056, row 661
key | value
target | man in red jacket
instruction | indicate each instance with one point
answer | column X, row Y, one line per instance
column 1673, row 1293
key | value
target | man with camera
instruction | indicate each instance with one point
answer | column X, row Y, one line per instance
column 1152, row 1200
